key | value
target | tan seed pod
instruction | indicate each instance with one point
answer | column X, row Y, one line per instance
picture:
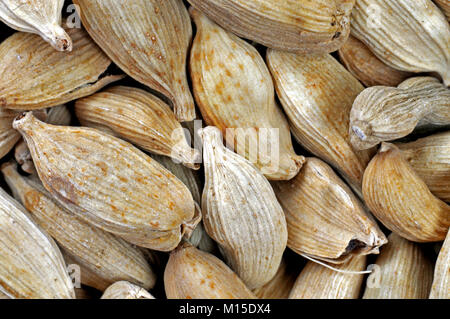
column 194, row 274
column 155, row 52
column 8, row 136
column 31, row 265
column 35, row 76
column 304, row 26
column 241, row 212
column 404, row 272
column 440, row 288
column 317, row 93
column 445, row 7
column 41, row 17
column 280, row 286
column 126, row 290
column 401, row 200
column 141, row 118
column 23, row 157
column 385, row 113
column 325, row 219
column 3, row 296
column 201, row 240
column 110, row 183
column 318, row 282
column 241, row 106
column 430, row 158
column 366, row 67
column 406, row 35
column 58, row 115
column 111, row 258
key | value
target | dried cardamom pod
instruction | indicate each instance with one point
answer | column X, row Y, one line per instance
column 23, row 157
column 401, row 200
column 406, row 35
column 35, row 76
column 241, row 212
column 280, row 286
column 58, row 115
column 241, row 106
column 155, row 52
column 318, row 282
column 126, row 290
column 317, row 93
column 384, row 113
column 305, row 26
column 110, row 183
column 430, row 159
column 444, row 5
column 109, row 257
column 8, row 136
column 325, row 219
column 3, row 296
column 440, row 288
column 194, row 274
column 404, row 272
column 366, row 67
column 41, row 17
column 141, row 118
column 31, row 265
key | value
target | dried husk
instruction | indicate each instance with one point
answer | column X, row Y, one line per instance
column 303, row 26
column 8, row 136
column 31, row 265
column 430, row 159
column 318, row 282
column 325, row 219
column 154, row 52
column 126, row 290
column 401, row 200
column 366, row 67
column 385, row 113
column 234, row 91
column 110, row 257
column 404, row 272
column 440, row 288
column 406, row 35
column 444, row 5
column 140, row 118
column 194, row 274
column 58, row 115
column 41, row 17
column 110, row 183
column 35, row 76
column 241, row 212
column 280, row 286
column 3, row 296
column 317, row 93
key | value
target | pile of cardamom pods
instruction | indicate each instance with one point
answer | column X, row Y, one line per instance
column 225, row 149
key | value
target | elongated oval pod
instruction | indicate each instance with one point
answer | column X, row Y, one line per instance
column 317, row 93
column 58, row 115
column 304, row 26
column 31, row 265
column 404, row 272
column 234, row 91
column 126, row 290
column 42, row 17
column 35, row 76
column 401, row 200
column 366, row 67
column 139, row 117
column 280, row 286
column 444, row 5
column 318, row 282
column 384, row 113
column 155, row 52
column 103, row 253
column 440, row 288
column 430, row 158
column 325, row 219
column 8, row 136
column 109, row 183
column 194, row 274
column 3, row 296
column 406, row 35
column 241, row 212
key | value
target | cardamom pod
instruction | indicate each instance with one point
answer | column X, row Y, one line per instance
column 126, row 290
column 444, row 5
column 401, row 200
column 109, row 183
column 140, row 118
column 440, row 288
column 404, row 272
column 8, row 136
column 384, row 113
column 281, row 284
column 154, row 52
column 58, row 115
column 243, row 107
column 241, row 212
